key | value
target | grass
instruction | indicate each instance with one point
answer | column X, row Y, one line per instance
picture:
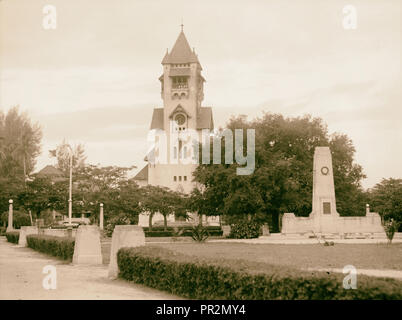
column 363, row 256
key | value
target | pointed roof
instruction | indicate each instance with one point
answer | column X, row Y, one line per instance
column 181, row 52
column 143, row 174
column 50, row 171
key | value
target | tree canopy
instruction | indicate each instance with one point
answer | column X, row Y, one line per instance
column 282, row 180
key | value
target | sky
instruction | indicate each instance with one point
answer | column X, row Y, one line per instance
column 94, row 78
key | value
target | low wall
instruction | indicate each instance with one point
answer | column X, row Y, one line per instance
column 371, row 223
column 57, row 232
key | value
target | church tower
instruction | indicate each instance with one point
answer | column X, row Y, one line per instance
column 182, row 91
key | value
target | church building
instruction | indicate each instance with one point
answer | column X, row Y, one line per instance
column 182, row 92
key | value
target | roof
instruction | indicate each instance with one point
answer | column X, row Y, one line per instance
column 205, row 119
column 179, row 108
column 143, row 174
column 50, row 171
column 181, row 52
column 157, row 119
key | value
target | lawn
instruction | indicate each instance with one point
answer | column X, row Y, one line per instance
column 364, row 256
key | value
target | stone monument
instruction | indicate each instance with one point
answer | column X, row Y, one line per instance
column 87, row 249
column 324, row 217
column 124, row 236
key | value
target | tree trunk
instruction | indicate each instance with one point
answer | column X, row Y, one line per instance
column 150, row 221
column 200, row 220
column 25, row 173
column 275, row 221
column 165, row 222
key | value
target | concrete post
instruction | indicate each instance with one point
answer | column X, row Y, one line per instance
column 101, row 217
column 124, row 236
column 87, row 249
column 10, row 216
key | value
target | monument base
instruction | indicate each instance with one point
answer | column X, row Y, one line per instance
column 371, row 223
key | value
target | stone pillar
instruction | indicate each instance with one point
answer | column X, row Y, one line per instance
column 101, row 217
column 10, row 216
column 226, row 230
column 24, row 232
column 124, row 236
column 265, row 229
column 367, row 208
column 87, row 249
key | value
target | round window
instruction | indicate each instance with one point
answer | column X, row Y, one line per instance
column 324, row 170
column 180, row 119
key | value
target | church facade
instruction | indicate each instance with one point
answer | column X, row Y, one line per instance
column 171, row 164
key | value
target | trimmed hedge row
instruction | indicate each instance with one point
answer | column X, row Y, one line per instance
column 13, row 236
column 171, row 229
column 213, row 231
column 61, row 247
column 215, row 279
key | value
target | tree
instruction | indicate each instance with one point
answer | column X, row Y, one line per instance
column 37, row 196
column 161, row 200
column 386, row 199
column 19, row 146
column 63, row 152
column 282, row 179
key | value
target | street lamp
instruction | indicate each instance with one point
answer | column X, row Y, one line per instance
column 70, row 198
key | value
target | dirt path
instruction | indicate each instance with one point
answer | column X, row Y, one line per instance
column 21, row 278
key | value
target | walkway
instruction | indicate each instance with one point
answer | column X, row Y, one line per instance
column 21, row 278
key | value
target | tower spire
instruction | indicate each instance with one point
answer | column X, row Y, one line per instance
column 182, row 25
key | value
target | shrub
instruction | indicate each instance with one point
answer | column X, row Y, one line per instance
column 61, row 247
column 13, row 236
column 391, row 226
column 199, row 234
column 213, row 231
column 215, row 279
column 3, row 231
column 245, row 230
column 121, row 219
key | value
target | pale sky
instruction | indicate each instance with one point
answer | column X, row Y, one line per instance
column 94, row 79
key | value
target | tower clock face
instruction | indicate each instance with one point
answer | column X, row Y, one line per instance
column 180, row 119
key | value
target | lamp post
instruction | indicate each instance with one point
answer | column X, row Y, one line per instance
column 10, row 216
column 101, row 217
column 70, row 197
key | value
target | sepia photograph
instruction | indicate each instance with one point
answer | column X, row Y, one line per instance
column 196, row 156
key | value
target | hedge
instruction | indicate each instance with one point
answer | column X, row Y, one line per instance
column 161, row 228
column 215, row 279
column 61, row 247
column 13, row 236
column 213, row 231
